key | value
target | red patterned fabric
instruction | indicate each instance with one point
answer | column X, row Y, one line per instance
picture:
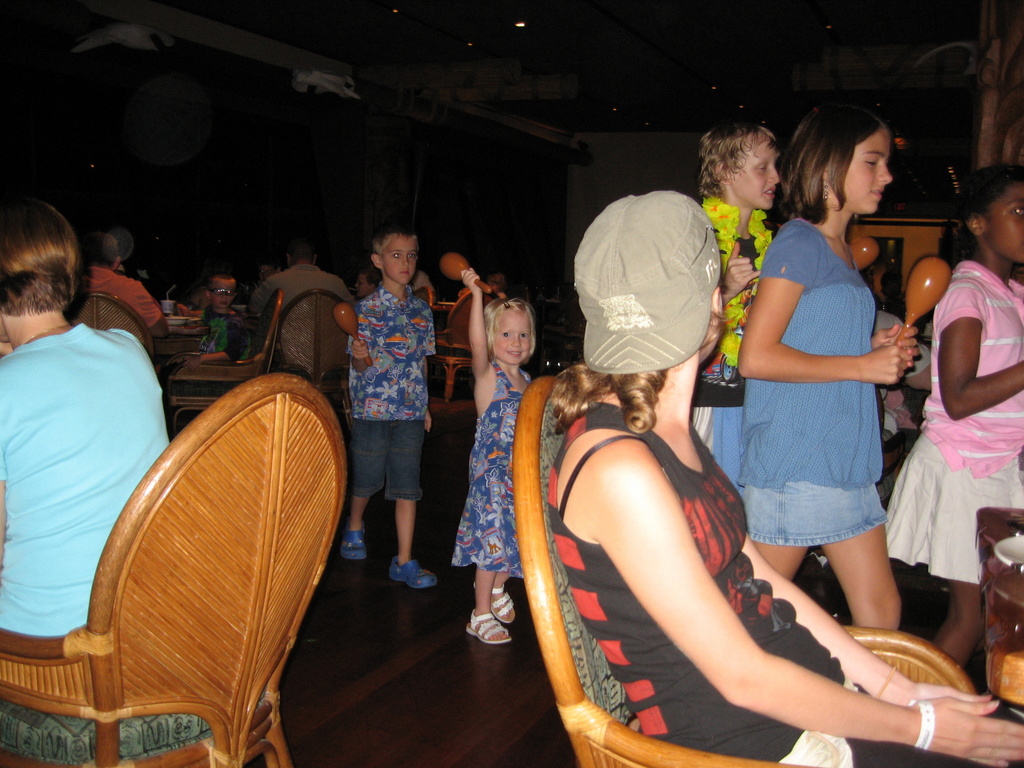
column 669, row 695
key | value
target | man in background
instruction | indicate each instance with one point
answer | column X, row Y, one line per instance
column 102, row 255
column 301, row 275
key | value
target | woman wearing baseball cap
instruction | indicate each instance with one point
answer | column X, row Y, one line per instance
column 715, row 650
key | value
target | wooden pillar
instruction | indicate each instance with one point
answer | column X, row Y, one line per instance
column 339, row 148
column 389, row 192
column 999, row 112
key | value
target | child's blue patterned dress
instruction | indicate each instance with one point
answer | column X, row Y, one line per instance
column 487, row 531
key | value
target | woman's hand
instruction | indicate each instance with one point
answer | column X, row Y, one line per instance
column 962, row 729
column 888, row 359
column 923, row 691
column 885, row 336
column 738, row 275
column 884, row 365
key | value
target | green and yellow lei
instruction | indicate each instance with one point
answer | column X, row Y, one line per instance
column 726, row 220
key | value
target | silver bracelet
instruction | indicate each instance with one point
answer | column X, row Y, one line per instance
column 924, row 738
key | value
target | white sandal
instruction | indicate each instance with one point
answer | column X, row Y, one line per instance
column 502, row 607
column 485, row 627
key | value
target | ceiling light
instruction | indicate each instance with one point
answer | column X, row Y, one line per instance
column 520, row 24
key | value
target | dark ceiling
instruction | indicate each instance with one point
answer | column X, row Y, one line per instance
column 634, row 65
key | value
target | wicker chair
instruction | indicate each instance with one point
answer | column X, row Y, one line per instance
column 310, row 344
column 453, row 351
column 197, row 388
column 104, row 311
column 427, row 293
column 201, row 588
column 591, row 702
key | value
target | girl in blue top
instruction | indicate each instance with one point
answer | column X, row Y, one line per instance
column 810, row 427
column 502, row 339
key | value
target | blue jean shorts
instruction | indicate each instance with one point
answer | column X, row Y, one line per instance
column 387, row 451
column 802, row 514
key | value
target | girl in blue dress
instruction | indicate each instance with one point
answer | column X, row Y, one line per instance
column 502, row 339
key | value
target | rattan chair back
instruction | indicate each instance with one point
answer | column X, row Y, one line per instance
column 310, row 343
column 203, row 583
column 453, row 351
column 427, row 293
column 104, row 311
column 590, row 701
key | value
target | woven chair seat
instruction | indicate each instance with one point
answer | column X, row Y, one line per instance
column 72, row 741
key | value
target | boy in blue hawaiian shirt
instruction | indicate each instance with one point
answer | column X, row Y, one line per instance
column 389, row 400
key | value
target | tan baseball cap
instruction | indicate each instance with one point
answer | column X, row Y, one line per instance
column 645, row 273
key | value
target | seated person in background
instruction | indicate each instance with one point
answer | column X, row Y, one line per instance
column 81, row 421
column 367, row 280
column 195, row 298
column 302, row 275
column 715, row 649
column 101, row 253
column 421, row 279
column 228, row 338
column 498, row 283
column 268, row 267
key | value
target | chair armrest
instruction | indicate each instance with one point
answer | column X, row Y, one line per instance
column 179, row 357
column 218, row 370
column 15, row 644
column 916, row 658
column 453, row 350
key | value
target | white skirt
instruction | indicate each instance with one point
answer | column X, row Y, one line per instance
column 933, row 512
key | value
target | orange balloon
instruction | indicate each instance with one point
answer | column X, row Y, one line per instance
column 865, row 251
column 452, row 266
column 345, row 317
column 928, row 280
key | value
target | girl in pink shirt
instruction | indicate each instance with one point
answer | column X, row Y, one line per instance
column 967, row 456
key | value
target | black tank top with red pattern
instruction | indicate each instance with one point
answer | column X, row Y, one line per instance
column 669, row 695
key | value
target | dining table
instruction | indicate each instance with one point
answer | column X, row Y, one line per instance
column 1001, row 551
column 180, row 338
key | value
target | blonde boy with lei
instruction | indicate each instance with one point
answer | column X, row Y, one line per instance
column 389, row 400
column 737, row 180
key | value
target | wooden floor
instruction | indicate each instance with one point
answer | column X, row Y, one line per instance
column 384, row 675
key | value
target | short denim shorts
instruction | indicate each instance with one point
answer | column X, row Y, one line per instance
column 387, row 450
column 802, row 514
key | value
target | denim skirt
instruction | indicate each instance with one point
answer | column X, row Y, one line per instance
column 802, row 514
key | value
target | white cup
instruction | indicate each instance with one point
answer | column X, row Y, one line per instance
column 1011, row 551
column 168, row 306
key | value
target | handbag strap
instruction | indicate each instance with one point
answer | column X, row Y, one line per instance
column 579, row 465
